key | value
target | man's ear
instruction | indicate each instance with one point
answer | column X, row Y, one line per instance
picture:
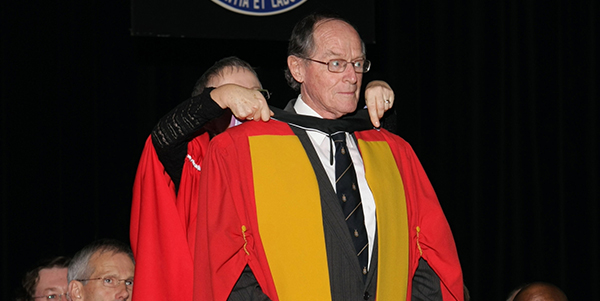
column 75, row 289
column 296, row 67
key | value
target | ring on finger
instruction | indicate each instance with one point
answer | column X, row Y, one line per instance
column 387, row 101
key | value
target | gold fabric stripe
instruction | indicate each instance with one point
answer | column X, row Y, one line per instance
column 392, row 222
column 288, row 206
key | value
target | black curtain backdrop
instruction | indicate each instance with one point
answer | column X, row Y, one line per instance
column 498, row 99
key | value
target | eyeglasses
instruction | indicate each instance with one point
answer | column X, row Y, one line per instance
column 112, row 281
column 265, row 93
column 339, row 66
column 62, row 296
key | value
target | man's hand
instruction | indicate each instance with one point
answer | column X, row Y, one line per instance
column 245, row 104
column 379, row 98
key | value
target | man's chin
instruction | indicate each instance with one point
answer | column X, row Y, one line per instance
column 348, row 110
column 350, row 105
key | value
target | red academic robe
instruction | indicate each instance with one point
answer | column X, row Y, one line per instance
column 238, row 225
column 163, row 225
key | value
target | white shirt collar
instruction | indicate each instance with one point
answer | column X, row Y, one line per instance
column 303, row 109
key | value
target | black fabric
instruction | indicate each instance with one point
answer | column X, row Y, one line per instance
column 349, row 197
column 173, row 131
column 426, row 283
column 349, row 123
column 247, row 288
column 345, row 279
column 499, row 99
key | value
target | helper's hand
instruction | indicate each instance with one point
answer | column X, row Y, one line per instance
column 379, row 98
column 245, row 104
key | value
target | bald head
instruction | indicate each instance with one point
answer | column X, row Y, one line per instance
column 540, row 291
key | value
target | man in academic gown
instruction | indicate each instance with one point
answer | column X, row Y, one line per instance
column 271, row 224
column 166, row 189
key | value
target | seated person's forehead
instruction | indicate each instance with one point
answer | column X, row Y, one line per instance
column 52, row 278
column 110, row 262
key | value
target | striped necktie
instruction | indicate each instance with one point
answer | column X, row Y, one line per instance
column 349, row 197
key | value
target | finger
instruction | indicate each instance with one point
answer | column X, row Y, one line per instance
column 266, row 116
column 373, row 114
column 262, row 111
column 388, row 102
column 242, row 111
column 265, row 113
column 256, row 113
column 382, row 106
column 379, row 95
column 391, row 98
column 247, row 106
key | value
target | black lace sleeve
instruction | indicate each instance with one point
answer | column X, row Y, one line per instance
column 172, row 133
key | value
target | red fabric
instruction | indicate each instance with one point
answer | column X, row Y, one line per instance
column 162, row 224
column 435, row 237
column 227, row 203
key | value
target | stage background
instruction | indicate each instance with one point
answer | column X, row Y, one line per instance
column 499, row 100
column 272, row 21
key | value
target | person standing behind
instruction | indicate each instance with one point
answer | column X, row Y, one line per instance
column 164, row 207
column 47, row 281
column 318, row 205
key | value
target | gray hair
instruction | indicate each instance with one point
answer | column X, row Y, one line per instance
column 79, row 267
column 215, row 70
column 302, row 42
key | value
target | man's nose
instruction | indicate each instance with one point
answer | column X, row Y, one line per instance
column 123, row 292
column 350, row 74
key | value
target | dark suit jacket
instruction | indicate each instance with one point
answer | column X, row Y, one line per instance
column 345, row 273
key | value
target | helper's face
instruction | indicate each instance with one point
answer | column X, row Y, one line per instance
column 106, row 264
column 52, row 282
column 332, row 95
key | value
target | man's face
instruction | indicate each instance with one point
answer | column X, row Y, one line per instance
column 52, row 282
column 332, row 95
column 107, row 264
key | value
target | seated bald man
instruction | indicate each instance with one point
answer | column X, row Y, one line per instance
column 540, row 291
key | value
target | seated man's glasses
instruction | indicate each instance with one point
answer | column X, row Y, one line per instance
column 112, row 281
column 339, row 66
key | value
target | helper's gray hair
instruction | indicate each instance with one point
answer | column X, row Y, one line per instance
column 79, row 267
